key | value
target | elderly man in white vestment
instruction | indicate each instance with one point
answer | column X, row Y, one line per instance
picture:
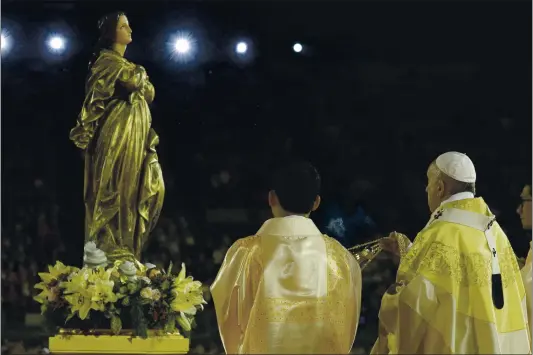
column 525, row 213
column 458, row 289
column 288, row 289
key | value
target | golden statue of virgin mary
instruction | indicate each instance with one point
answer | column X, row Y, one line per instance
column 124, row 188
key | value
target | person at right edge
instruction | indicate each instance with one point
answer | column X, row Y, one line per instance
column 524, row 211
column 458, row 288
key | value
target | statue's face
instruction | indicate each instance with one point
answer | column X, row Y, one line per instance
column 123, row 35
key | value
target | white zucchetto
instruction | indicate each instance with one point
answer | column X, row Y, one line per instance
column 458, row 166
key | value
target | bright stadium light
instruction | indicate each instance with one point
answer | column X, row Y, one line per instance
column 241, row 48
column 56, row 43
column 297, row 47
column 5, row 42
column 182, row 45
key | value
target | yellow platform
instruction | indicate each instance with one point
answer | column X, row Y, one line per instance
column 72, row 343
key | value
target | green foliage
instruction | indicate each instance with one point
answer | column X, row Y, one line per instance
column 116, row 324
column 170, row 325
column 138, row 320
column 184, row 322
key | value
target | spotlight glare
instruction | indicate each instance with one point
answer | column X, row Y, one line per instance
column 297, row 47
column 5, row 42
column 241, row 48
column 56, row 43
column 182, row 46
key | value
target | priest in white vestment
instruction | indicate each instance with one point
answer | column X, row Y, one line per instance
column 524, row 211
column 458, row 289
column 288, row 289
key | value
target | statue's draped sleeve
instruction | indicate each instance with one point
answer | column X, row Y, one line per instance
column 107, row 72
column 149, row 92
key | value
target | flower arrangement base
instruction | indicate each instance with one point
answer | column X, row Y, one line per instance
column 103, row 342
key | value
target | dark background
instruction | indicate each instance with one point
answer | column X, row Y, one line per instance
column 381, row 90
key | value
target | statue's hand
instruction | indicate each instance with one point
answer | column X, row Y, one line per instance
column 143, row 72
column 83, row 142
column 82, row 138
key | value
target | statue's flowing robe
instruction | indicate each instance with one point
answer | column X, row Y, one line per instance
column 288, row 290
column 124, row 188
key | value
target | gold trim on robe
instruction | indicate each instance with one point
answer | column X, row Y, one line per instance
column 124, row 188
column 442, row 300
column 288, row 290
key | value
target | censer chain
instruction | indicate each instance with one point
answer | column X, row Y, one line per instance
column 359, row 246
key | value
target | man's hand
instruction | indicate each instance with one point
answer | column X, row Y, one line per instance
column 396, row 243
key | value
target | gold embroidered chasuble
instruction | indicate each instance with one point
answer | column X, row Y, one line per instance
column 442, row 300
column 288, row 290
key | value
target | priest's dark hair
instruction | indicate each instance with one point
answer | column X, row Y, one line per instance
column 297, row 185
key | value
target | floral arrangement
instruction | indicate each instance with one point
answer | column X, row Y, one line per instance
column 120, row 296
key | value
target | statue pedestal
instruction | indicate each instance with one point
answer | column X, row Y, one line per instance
column 118, row 344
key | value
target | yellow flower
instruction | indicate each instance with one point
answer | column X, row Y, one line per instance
column 54, row 272
column 188, row 294
column 150, row 294
column 99, row 273
column 102, row 293
column 80, row 302
column 115, row 273
column 183, row 284
column 48, row 294
column 77, row 282
column 182, row 303
column 147, row 293
column 145, row 279
column 60, row 269
column 182, row 273
column 153, row 273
